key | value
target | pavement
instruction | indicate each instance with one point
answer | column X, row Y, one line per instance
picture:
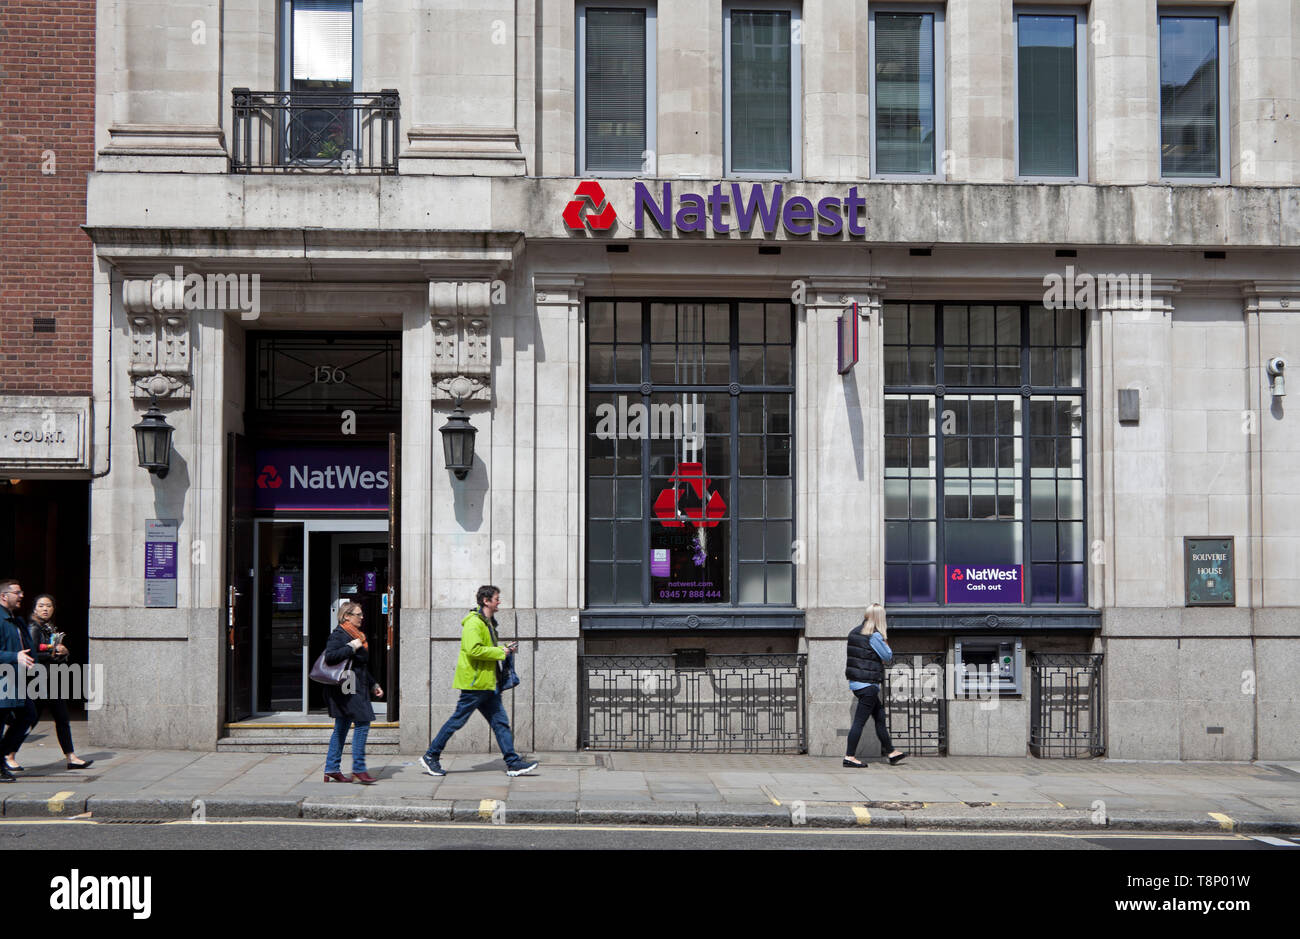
column 626, row 788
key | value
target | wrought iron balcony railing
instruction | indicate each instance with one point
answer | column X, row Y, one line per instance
column 315, row 132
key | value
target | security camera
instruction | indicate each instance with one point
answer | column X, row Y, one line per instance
column 1276, row 366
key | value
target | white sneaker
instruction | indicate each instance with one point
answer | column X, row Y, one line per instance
column 523, row 770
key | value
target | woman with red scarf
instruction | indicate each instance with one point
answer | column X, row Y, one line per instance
column 349, row 703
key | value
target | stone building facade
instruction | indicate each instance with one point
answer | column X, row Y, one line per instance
column 395, row 185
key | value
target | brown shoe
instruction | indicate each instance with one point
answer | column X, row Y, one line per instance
column 364, row 778
column 337, row 777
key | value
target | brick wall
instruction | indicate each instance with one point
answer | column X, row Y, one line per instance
column 47, row 132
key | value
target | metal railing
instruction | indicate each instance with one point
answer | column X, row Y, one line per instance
column 916, row 704
column 315, row 131
column 702, row 703
column 1066, row 707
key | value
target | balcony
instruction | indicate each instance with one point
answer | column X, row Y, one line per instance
column 315, row 132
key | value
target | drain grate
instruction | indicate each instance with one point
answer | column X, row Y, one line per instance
column 896, row 806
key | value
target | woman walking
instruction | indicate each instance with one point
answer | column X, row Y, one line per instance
column 868, row 654
column 48, row 648
column 351, row 706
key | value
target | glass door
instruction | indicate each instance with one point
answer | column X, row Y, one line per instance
column 360, row 575
column 281, row 600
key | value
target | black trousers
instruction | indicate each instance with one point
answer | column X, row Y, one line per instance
column 869, row 705
column 20, row 721
column 59, row 708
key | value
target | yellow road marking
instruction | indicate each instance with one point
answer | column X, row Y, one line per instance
column 486, row 807
column 55, row 805
column 767, row 792
column 862, row 815
column 1226, row 823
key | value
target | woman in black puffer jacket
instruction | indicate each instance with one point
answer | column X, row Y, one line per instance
column 868, row 654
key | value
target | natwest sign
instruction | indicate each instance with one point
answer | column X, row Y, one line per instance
column 321, row 479
column 983, row 583
column 756, row 209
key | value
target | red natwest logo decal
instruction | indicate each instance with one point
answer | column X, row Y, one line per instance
column 689, row 500
column 269, row 478
column 601, row 216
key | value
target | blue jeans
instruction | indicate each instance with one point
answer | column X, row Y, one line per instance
column 334, row 758
column 490, row 705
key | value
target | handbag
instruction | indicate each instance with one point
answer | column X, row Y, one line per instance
column 330, row 674
column 508, row 678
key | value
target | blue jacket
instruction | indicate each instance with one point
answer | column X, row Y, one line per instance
column 13, row 639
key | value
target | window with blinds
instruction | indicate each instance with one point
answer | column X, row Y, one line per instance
column 322, row 44
column 1189, row 96
column 905, row 103
column 614, row 89
column 761, row 108
column 1048, row 95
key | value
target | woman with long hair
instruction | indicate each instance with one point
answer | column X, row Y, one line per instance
column 868, row 654
column 350, row 704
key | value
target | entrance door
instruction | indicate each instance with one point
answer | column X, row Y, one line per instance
column 239, row 578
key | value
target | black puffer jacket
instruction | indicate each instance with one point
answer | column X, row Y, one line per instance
column 863, row 664
column 355, row 707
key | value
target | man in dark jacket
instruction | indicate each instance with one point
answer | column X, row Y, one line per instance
column 15, row 649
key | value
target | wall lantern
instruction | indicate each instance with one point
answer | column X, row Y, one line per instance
column 458, row 442
column 153, row 440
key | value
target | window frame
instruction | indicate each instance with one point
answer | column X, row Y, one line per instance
column 1224, row 177
column 940, row 91
column 1080, row 15
column 796, row 86
column 284, row 35
column 649, row 153
column 734, row 606
column 937, row 392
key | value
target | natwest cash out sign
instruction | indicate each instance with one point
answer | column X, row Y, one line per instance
column 321, row 479
column 984, row 583
column 726, row 208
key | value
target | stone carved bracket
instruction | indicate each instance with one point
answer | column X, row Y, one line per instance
column 160, row 346
column 833, row 295
column 462, row 339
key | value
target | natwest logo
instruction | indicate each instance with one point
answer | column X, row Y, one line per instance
column 269, row 478
column 589, row 209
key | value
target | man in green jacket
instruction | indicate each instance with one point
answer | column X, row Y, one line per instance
column 478, row 679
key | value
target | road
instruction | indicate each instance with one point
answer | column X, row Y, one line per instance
column 303, row 835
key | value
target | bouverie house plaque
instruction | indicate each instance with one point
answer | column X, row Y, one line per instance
column 1208, row 572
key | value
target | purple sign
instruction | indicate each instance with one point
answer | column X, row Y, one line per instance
column 284, row 588
column 322, row 479
column 983, row 583
column 160, row 560
column 660, row 566
column 369, row 582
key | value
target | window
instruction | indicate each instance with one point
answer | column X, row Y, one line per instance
column 690, row 494
column 1193, row 96
column 906, row 52
column 616, row 80
column 1051, row 95
column 320, row 65
column 983, row 447
column 761, row 68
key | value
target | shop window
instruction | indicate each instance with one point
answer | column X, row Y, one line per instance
column 690, row 496
column 986, row 466
column 615, row 87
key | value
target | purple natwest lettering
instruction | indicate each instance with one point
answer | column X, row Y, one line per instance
column 991, row 573
column 798, row 215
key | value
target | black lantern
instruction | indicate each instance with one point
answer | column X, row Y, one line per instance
column 153, row 440
column 458, row 442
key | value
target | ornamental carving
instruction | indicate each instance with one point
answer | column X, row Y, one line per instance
column 462, row 339
column 160, row 355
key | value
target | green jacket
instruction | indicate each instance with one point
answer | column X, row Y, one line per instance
column 476, row 666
